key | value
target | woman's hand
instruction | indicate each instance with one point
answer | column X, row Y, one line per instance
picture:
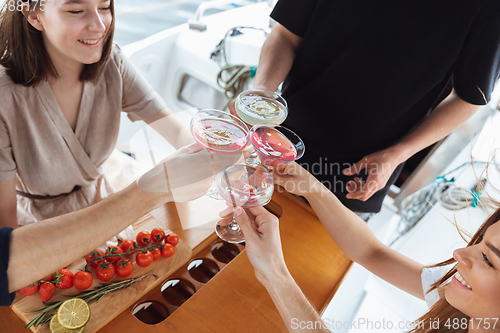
column 187, row 174
column 262, row 239
column 295, row 179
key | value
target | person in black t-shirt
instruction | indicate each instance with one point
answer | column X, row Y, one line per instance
column 361, row 78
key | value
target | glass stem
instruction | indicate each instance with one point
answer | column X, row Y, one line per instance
column 233, row 226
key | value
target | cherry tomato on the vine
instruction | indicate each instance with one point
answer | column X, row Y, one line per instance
column 82, row 280
column 172, row 239
column 144, row 259
column 114, row 250
column 127, row 245
column 144, row 238
column 90, row 256
column 157, row 235
column 168, row 250
column 105, row 274
column 125, row 270
column 156, row 254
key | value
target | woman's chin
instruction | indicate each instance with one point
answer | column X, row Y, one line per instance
column 91, row 61
column 454, row 299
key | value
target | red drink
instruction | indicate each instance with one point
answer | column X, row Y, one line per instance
column 220, row 135
column 272, row 147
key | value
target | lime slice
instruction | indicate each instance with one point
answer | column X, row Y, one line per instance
column 262, row 108
column 55, row 327
column 217, row 136
column 73, row 313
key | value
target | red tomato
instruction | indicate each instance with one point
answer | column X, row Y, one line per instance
column 127, row 245
column 156, row 254
column 168, row 250
column 157, row 235
column 82, row 280
column 114, row 250
column 144, row 259
column 90, row 256
column 125, row 270
column 105, row 274
column 48, row 278
column 144, row 238
column 172, row 239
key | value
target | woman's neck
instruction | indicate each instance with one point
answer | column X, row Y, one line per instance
column 68, row 73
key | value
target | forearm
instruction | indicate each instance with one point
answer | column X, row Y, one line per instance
column 297, row 313
column 8, row 204
column 9, row 218
column 357, row 241
column 61, row 240
column 349, row 232
column 171, row 128
column 276, row 59
column 445, row 118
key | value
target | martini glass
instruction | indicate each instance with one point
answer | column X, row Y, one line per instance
column 275, row 145
column 244, row 186
column 219, row 131
column 261, row 107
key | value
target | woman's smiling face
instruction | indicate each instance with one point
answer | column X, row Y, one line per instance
column 74, row 31
column 475, row 289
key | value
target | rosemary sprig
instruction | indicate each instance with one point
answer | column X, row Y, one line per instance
column 89, row 296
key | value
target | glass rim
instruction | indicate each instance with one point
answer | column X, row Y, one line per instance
column 274, row 95
column 267, row 175
column 255, row 127
column 238, row 120
column 235, row 120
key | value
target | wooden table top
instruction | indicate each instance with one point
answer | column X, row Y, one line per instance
column 234, row 301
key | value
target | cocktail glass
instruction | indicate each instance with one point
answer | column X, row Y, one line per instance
column 219, row 131
column 261, row 107
column 244, row 186
column 275, row 145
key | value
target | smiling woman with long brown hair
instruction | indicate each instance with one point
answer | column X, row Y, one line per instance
column 469, row 293
column 63, row 85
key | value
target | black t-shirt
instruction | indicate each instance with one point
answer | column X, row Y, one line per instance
column 6, row 299
column 367, row 72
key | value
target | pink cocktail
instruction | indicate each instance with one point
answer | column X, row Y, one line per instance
column 243, row 186
column 219, row 131
column 276, row 145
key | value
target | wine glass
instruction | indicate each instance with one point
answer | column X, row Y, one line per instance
column 275, row 145
column 219, row 131
column 243, row 186
column 261, row 107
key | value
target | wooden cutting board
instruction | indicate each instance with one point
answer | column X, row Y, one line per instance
column 115, row 303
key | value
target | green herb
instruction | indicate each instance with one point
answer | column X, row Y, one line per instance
column 89, row 296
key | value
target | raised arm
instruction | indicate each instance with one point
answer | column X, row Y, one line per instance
column 61, row 240
column 8, row 204
column 276, row 58
column 263, row 247
column 171, row 128
column 184, row 176
column 351, row 234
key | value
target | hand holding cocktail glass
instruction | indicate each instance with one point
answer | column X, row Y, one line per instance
column 244, row 186
column 247, row 185
column 241, row 185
